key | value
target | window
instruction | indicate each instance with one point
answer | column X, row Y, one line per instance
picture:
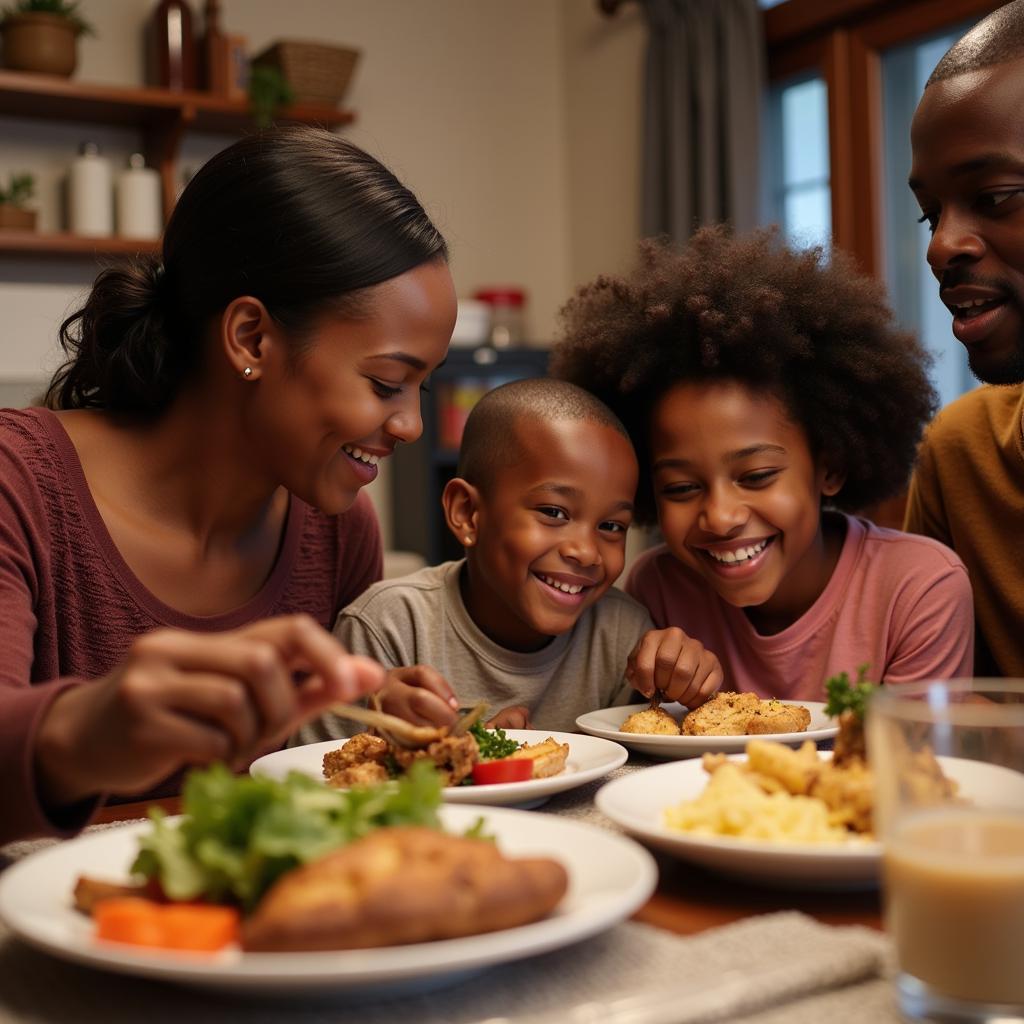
column 913, row 290
column 799, row 194
column 871, row 58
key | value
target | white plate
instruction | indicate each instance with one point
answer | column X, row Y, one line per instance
column 610, row 876
column 589, row 759
column 606, row 723
column 638, row 801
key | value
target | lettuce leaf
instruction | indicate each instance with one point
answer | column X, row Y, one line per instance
column 238, row 834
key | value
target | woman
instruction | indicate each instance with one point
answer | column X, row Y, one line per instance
column 183, row 520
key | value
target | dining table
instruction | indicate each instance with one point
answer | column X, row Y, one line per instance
column 693, row 919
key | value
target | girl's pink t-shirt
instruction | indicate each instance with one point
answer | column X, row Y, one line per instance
column 898, row 602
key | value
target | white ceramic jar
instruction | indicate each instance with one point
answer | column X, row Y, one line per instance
column 139, row 208
column 91, row 193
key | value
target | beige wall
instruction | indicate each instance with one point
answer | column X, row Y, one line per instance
column 515, row 121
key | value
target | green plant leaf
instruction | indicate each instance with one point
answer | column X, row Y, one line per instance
column 61, row 8
column 268, row 92
column 20, row 188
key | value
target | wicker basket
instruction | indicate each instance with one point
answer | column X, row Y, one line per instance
column 318, row 74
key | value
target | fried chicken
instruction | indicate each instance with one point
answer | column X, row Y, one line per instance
column 361, row 748
column 366, row 773
column 772, row 716
column 402, row 885
column 454, row 757
column 651, row 721
column 726, row 714
column 745, row 714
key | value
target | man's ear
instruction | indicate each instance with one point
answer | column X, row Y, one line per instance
column 248, row 334
column 461, row 501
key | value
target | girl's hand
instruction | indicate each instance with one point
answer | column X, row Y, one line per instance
column 669, row 661
column 180, row 699
column 420, row 695
column 515, row 717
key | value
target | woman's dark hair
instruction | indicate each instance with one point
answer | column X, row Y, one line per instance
column 296, row 217
column 801, row 325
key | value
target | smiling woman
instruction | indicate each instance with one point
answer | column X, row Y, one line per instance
column 198, row 470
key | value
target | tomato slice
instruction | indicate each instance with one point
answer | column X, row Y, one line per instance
column 508, row 769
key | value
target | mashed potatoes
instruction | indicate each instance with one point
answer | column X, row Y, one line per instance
column 733, row 804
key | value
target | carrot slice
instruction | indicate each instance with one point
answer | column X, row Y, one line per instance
column 199, row 927
column 192, row 926
column 128, row 919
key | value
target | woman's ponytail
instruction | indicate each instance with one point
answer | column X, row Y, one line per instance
column 118, row 345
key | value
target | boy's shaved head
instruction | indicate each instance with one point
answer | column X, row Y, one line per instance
column 490, row 441
column 994, row 40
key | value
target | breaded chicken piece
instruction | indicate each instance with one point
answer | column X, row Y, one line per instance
column 851, row 744
column 848, row 792
column 726, row 714
column 401, row 885
column 454, row 757
column 364, row 747
column 652, row 722
column 368, row 773
column 772, row 716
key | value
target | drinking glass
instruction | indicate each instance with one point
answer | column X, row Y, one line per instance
column 948, row 762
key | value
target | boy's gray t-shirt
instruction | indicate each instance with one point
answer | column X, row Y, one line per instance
column 420, row 619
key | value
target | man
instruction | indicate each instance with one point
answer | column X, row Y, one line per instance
column 968, row 176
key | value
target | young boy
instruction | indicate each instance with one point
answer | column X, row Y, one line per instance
column 542, row 503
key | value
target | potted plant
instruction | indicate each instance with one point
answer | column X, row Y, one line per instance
column 269, row 91
column 42, row 36
column 13, row 215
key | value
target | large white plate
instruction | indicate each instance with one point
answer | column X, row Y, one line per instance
column 638, row 801
column 589, row 759
column 606, row 723
column 610, row 876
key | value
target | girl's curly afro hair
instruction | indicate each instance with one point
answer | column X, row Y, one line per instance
column 802, row 325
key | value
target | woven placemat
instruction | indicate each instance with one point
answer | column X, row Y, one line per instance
column 762, row 970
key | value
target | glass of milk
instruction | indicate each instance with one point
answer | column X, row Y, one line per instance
column 948, row 763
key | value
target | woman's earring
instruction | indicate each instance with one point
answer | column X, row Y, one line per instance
column 247, row 372
column 468, row 539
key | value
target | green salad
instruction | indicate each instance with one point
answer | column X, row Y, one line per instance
column 239, row 834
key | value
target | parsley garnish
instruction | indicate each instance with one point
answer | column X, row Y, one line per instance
column 493, row 743
column 846, row 696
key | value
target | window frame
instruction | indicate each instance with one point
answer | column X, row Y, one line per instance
column 843, row 41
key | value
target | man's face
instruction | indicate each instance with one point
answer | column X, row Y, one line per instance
column 968, row 176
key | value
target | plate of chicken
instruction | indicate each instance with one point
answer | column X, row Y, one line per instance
column 288, row 886
column 722, row 725
column 518, row 767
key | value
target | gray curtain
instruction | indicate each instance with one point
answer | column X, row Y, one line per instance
column 705, row 78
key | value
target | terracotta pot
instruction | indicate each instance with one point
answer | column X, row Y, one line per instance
column 39, row 42
column 15, row 218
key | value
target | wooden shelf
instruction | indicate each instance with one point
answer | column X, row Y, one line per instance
column 33, row 242
column 162, row 116
column 61, row 99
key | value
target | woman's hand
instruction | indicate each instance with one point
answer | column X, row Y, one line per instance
column 515, row 717
column 669, row 661
column 420, row 695
column 180, row 699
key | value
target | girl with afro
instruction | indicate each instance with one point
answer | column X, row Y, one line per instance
column 770, row 397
